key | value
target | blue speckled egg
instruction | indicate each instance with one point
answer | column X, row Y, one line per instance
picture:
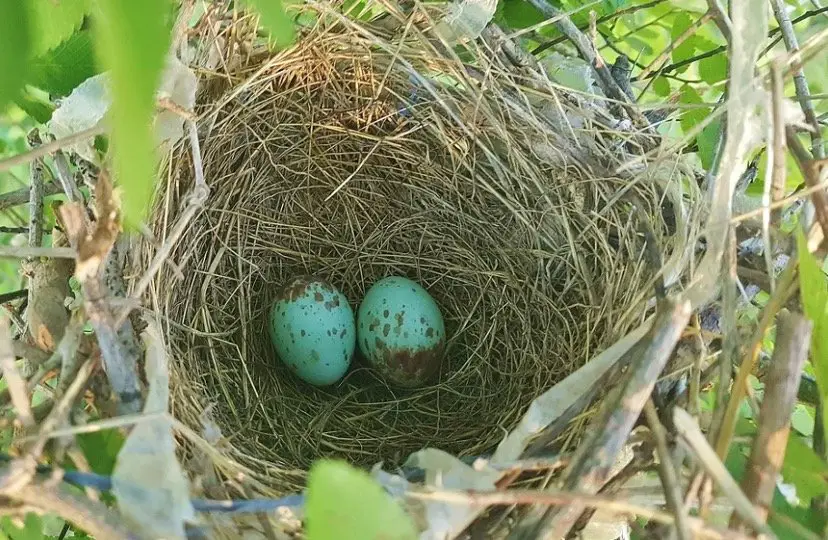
column 400, row 332
column 312, row 328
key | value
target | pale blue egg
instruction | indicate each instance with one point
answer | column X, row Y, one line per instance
column 313, row 331
column 400, row 331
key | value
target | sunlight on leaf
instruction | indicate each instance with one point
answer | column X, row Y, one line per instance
column 53, row 22
column 804, row 469
column 344, row 503
column 15, row 49
column 274, row 18
column 62, row 69
column 812, row 284
column 132, row 39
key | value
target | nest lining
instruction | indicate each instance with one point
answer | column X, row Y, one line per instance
column 321, row 163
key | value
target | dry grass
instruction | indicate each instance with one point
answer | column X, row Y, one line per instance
column 513, row 223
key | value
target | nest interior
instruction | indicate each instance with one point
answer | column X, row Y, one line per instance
column 330, row 159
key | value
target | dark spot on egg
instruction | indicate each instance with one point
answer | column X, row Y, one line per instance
column 329, row 332
column 422, row 320
column 330, row 304
column 302, row 333
column 399, row 316
column 374, row 324
column 386, row 329
column 344, row 331
column 429, row 332
column 318, row 296
column 385, row 313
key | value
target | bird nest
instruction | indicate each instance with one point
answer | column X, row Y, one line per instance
column 353, row 157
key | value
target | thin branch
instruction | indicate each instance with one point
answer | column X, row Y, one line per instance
column 195, row 201
column 793, row 337
column 21, row 196
column 14, row 381
column 588, row 53
column 606, row 18
column 811, row 175
column 589, row 468
column 14, row 295
column 800, row 82
column 25, row 252
column 36, row 194
column 553, row 497
column 66, row 178
column 720, row 17
column 737, row 393
column 48, row 148
column 706, row 456
column 667, row 472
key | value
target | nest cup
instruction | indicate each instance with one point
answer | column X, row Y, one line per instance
column 332, row 159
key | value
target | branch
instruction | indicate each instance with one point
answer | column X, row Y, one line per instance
column 25, row 252
column 811, row 175
column 793, row 337
column 800, row 83
column 588, row 53
column 706, row 456
column 48, row 148
column 589, row 468
column 119, row 349
column 667, row 472
column 21, row 196
column 14, row 381
column 36, row 195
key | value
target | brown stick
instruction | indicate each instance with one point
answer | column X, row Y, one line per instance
column 589, row 468
column 793, row 337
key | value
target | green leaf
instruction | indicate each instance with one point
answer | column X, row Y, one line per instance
column 32, row 528
column 15, row 49
column 707, row 141
column 661, row 86
column 693, row 116
column 100, row 448
column 713, row 69
column 345, row 503
column 814, row 293
column 520, row 14
column 132, row 39
column 686, row 48
column 39, row 109
column 62, row 69
column 273, row 17
column 52, row 22
column 804, row 469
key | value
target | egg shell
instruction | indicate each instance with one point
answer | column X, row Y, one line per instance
column 400, row 331
column 313, row 330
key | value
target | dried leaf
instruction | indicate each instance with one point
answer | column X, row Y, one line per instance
column 148, row 481
column 466, row 19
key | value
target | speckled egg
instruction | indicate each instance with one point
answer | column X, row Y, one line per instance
column 400, row 331
column 313, row 331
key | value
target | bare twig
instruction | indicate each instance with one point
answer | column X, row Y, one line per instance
column 800, row 82
column 589, row 468
column 36, row 196
column 14, row 381
column 793, row 337
column 552, row 497
column 784, row 291
column 90, row 516
column 66, row 178
column 24, row 252
column 119, row 348
column 14, row 295
column 61, row 409
column 21, row 196
column 50, row 147
column 749, row 27
column 195, row 201
column 777, row 150
column 692, row 435
column 720, row 17
column 588, row 53
column 667, row 472
column 811, row 175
